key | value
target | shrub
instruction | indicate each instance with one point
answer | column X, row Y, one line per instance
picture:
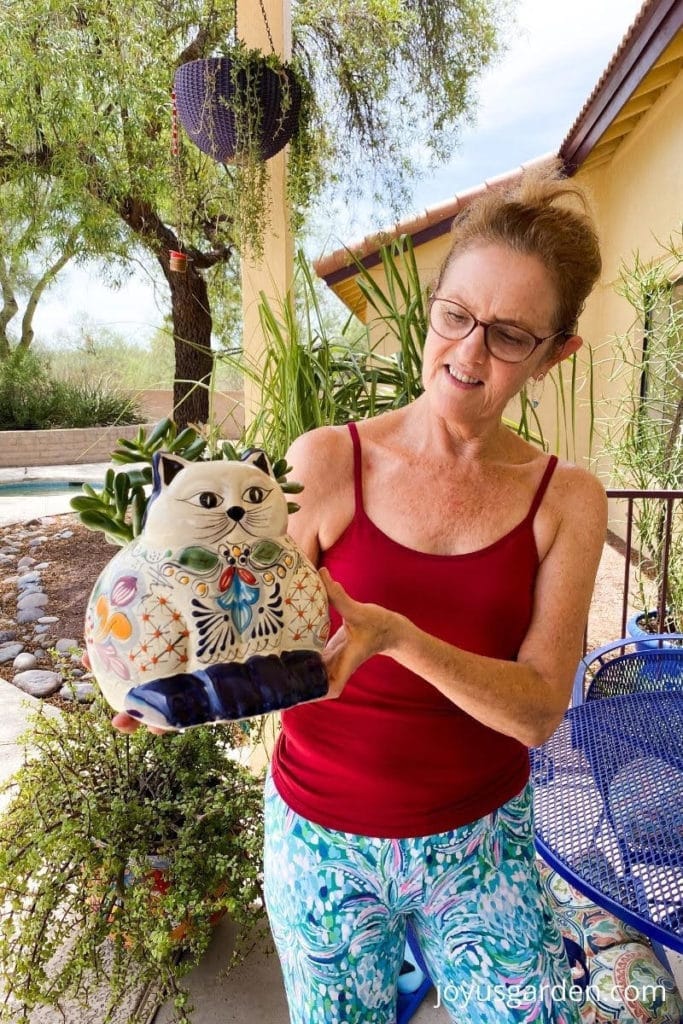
column 32, row 398
column 92, row 815
column 27, row 392
column 93, row 404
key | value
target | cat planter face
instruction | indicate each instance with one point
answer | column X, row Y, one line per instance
column 213, row 613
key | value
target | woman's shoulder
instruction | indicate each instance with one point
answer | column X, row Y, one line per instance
column 578, row 486
column 322, row 460
column 566, row 474
column 320, row 448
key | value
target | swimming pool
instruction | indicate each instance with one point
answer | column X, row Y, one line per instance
column 36, row 488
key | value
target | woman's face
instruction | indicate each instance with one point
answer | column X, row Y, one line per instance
column 462, row 379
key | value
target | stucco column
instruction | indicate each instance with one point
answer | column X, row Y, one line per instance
column 274, row 274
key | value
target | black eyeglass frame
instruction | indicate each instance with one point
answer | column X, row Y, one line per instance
column 490, row 323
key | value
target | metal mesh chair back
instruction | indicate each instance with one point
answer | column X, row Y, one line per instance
column 648, row 671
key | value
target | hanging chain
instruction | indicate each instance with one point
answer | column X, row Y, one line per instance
column 177, row 169
column 265, row 22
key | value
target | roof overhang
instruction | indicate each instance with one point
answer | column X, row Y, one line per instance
column 654, row 30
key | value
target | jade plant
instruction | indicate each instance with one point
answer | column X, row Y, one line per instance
column 117, row 855
column 118, row 508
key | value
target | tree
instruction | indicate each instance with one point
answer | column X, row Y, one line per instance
column 84, row 100
column 39, row 234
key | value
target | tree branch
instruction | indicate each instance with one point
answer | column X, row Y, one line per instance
column 9, row 308
column 27, row 332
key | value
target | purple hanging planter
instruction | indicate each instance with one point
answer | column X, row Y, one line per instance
column 209, row 92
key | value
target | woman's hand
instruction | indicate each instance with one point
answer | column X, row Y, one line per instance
column 122, row 721
column 366, row 629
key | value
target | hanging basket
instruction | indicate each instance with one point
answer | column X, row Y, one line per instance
column 237, row 111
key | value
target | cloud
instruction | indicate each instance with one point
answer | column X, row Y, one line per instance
column 528, row 100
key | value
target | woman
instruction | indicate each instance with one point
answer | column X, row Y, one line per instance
column 460, row 562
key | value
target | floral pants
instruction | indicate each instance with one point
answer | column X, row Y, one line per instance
column 338, row 905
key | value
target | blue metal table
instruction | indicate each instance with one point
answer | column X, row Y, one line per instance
column 608, row 805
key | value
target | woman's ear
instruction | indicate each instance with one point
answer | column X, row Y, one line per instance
column 568, row 347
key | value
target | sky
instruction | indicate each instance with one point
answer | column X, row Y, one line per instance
column 526, row 104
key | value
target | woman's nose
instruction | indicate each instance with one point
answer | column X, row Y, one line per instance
column 474, row 344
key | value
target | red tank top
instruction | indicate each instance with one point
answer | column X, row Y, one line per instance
column 392, row 757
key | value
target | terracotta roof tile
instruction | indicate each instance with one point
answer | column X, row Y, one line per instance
column 338, row 264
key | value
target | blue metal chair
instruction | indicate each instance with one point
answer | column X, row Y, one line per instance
column 414, row 982
column 627, row 666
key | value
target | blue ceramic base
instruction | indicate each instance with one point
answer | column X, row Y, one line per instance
column 227, row 693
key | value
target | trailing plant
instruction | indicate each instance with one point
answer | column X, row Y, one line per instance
column 118, row 508
column 644, row 433
column 117, row 852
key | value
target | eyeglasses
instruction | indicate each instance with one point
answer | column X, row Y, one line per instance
column 507, row 342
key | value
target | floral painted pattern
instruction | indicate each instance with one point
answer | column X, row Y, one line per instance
column 622, row 980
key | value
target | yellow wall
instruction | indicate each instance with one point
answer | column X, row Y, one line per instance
column 638, row 200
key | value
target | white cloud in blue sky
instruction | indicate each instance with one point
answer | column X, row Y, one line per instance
column 530, row 98
column 526, row 104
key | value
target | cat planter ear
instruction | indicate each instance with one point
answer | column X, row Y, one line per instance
column 166, row 467
column 258, row 458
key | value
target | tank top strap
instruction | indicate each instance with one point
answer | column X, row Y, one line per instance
column 357, row 467
column 542, row 487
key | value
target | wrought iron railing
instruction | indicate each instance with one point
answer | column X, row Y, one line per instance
column 668, row 500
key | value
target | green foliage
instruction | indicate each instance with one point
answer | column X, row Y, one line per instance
column 316, row 373
column 40, row 232
column 644, row 433
column 379, row 65
column 244, row 103
column 32, row 398
column 89, row 808
column 26, row 393
column 87, row 91
column 85, row 101
column 118, row 508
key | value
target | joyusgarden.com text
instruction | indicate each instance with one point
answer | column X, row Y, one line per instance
column 521, row 996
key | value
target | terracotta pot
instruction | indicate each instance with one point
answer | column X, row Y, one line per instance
column 209, row 92
column 159, row 886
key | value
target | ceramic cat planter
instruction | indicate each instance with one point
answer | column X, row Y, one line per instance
column 213, row 613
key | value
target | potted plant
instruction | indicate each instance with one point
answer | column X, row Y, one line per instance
column 241, row 107
column 117, row 853
column 644, row 437
column 118, row 508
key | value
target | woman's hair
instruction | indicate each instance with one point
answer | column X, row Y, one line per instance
column 542, row 215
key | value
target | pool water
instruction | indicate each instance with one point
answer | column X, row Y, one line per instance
column 35, row 488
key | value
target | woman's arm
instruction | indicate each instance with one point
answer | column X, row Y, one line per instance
column 527, row 698
column 322, row 461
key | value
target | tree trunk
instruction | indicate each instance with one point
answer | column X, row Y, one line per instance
column 192, row 341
